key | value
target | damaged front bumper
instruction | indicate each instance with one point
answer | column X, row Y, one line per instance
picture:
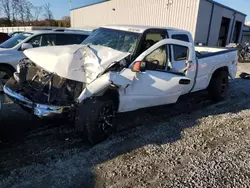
column 39, row 110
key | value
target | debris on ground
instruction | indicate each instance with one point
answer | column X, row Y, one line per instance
column 244, row 75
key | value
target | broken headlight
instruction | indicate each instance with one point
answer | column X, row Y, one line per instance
column 22, row 69
column 18, row 68
column 43, row 87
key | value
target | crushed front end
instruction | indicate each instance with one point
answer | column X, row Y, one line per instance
column 41, row 92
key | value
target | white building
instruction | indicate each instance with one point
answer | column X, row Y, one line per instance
column 209, row 22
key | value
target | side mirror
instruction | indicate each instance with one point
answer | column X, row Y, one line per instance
column 138, row 66
column 26, row 46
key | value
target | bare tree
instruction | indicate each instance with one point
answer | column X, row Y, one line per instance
column 28, row 6
column 21, row 10
column 6, row 6
column 37, row 12
column 48, row 15
column 14, row 10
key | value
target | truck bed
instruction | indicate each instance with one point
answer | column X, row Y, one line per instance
column 210, row 59
column 205, row 51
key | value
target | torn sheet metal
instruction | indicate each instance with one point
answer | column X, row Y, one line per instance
column 123, row 78
column 40, row 110
column 76, row 62
column 120, row 79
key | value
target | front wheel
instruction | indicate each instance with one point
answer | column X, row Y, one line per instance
column 218, row 87
column 95, row 119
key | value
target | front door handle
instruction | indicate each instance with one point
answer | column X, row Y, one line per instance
column 184, row 81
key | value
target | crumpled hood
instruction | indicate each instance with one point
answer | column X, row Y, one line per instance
column 75, row 62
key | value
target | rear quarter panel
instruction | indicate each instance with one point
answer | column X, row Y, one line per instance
column 207, row 66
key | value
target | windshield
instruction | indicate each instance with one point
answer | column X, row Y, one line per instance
column 15, row 40
column 119, row 40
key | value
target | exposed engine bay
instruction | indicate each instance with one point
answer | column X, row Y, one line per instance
column 43, row 87
column 40, row 86
column 66, row 77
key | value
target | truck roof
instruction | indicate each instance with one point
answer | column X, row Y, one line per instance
column 137, row 28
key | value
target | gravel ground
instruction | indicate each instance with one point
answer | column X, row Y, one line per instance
column 194, row 143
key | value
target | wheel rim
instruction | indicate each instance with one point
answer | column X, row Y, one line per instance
column 4, row 77
column 105, row 119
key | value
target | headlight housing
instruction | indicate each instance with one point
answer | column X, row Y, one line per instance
column 18, row 68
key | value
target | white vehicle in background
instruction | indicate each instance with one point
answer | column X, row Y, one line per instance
column 15, row 33
column 11, row 51
column 118, row 69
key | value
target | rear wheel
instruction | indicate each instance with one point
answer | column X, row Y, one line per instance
column 95, row 119
column 218, row 87
column 5, row 74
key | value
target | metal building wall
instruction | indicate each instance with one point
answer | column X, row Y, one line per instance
column 246, row 34
column 245, row 38
column 203, row 22
column 207, row 11
column 169, row 13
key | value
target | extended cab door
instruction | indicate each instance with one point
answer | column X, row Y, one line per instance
column 156, row 84
column 179, row 53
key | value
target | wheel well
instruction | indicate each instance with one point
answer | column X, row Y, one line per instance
column 113, row 94
column 5, row 65
column 217, row 71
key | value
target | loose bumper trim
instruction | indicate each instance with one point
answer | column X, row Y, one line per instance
column 39, row 110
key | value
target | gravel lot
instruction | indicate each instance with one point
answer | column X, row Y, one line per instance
column 192, row 144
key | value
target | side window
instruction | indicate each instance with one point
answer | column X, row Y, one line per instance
column 181, row 37
column 36, row 41
column 151, row 39
column 156, row 37
column 63, row 39
column 49, row 40
column 157, row 60
column 79, row 38
column 180, row 52
column 67, row 39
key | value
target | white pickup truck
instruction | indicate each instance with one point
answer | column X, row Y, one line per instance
column 118, row 69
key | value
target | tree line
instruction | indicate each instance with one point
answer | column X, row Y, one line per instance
column 24, row 13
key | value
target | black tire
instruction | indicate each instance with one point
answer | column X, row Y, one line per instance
column 95, row 119
column 8, row 73
column 218, row 87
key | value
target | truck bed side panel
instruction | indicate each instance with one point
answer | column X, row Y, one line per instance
column 207, row 66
